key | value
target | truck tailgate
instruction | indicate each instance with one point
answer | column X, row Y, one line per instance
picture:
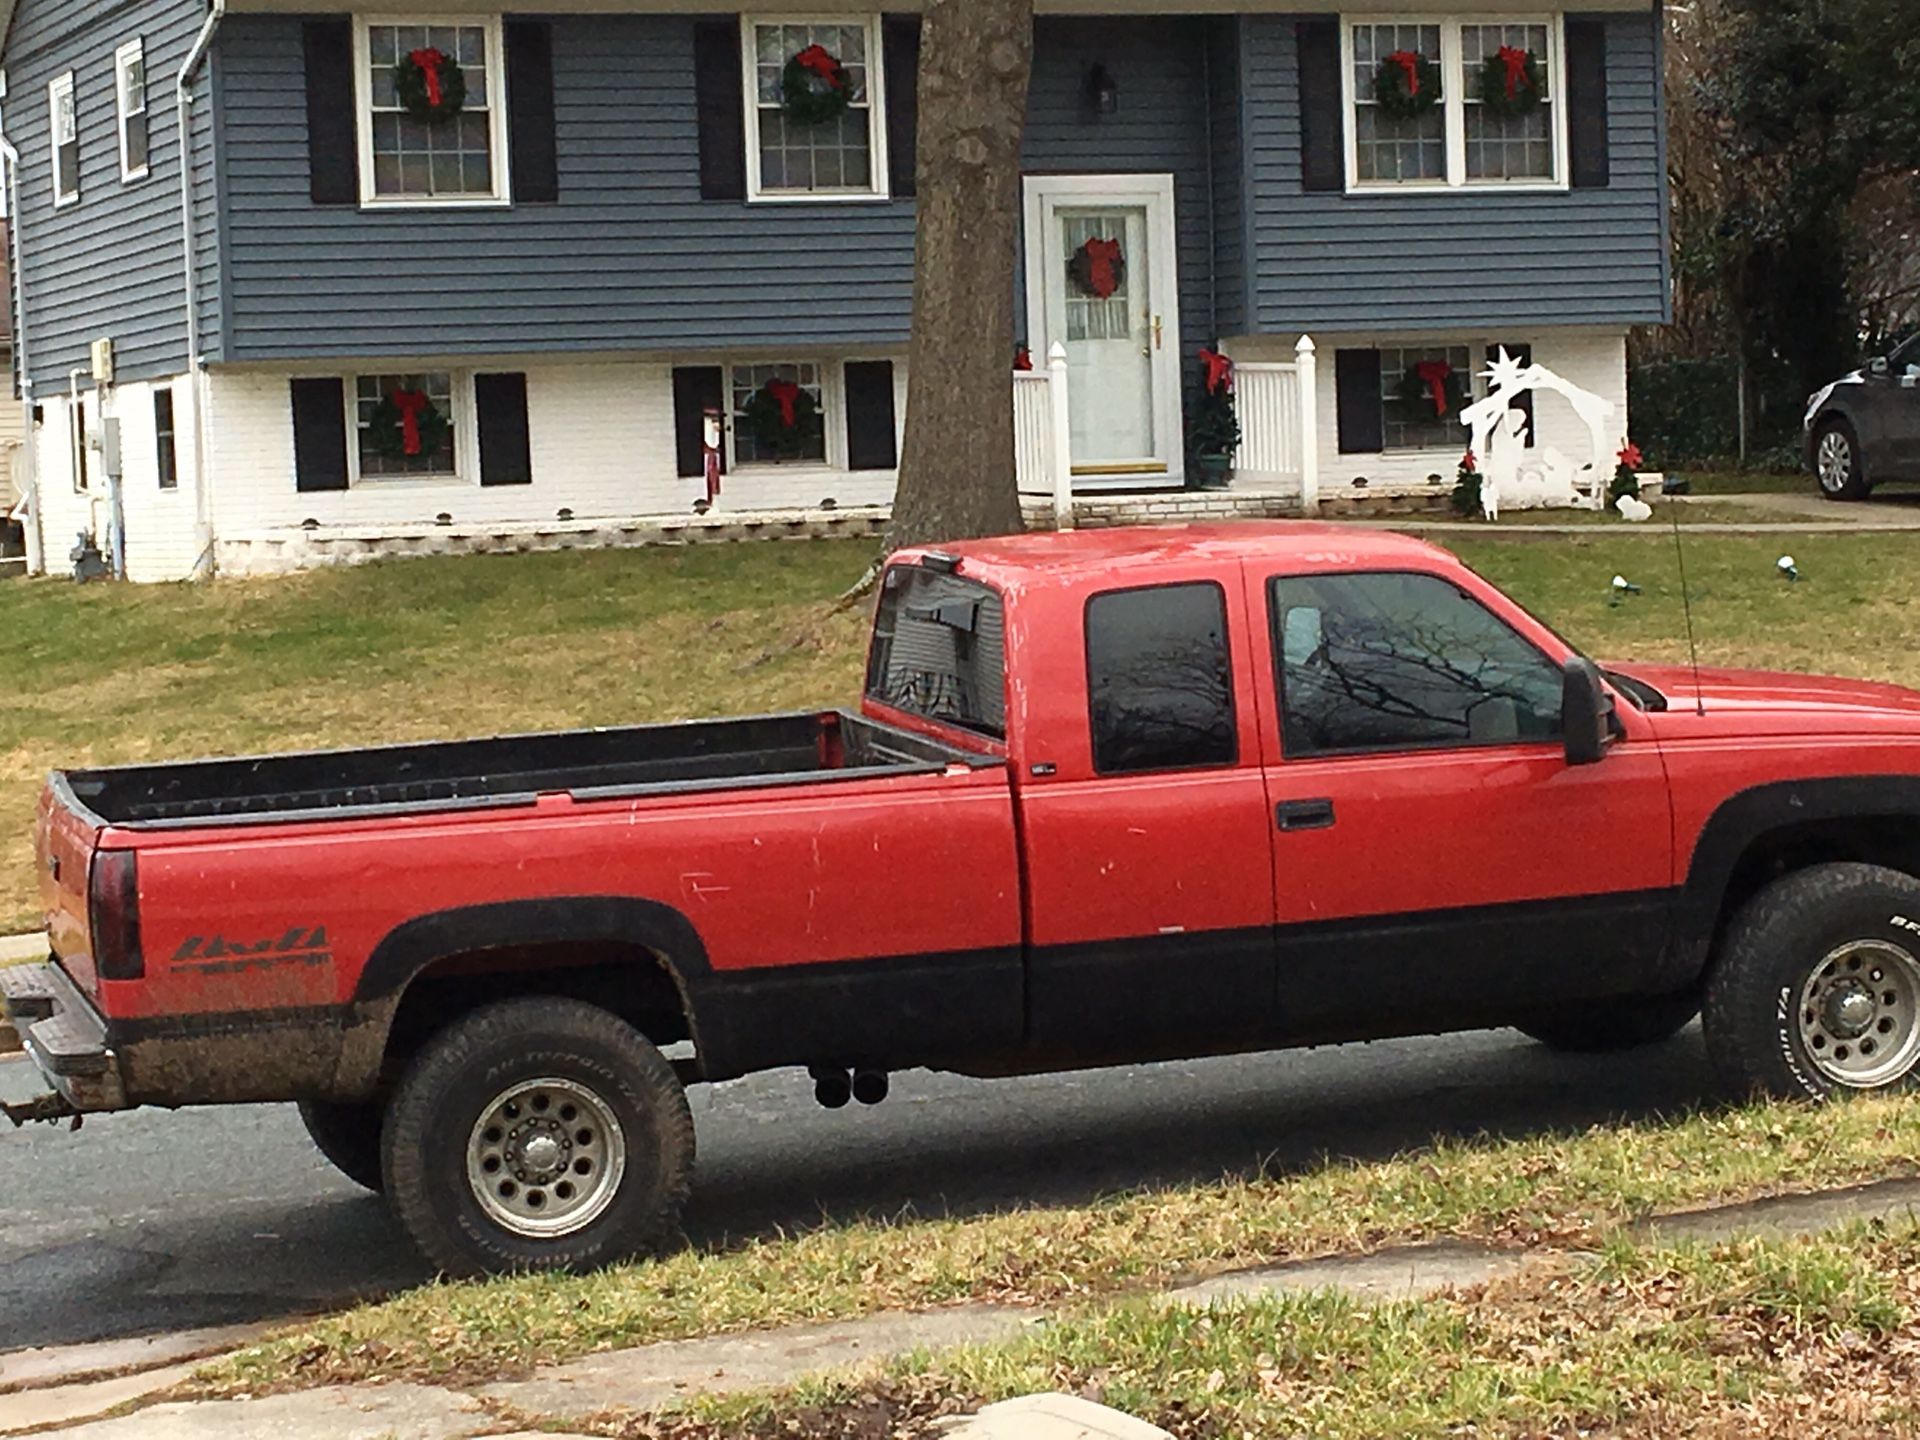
column 63, row 844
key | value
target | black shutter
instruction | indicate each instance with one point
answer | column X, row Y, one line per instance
column 1323, row 141
column 1587, row 102
column 319, row 435
column 900, row 44
column 1356, row 378
column 872, row 442
column 333, row 144
column 720, row 103
column 536, row 166
column 696, row 390
column 1524, row 354
column 506, row 457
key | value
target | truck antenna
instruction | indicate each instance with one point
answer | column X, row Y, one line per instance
column 1686, row 604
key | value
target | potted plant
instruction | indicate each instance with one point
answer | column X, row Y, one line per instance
column 1213, row 430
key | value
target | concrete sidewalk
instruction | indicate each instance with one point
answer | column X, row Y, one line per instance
column 650, row 1377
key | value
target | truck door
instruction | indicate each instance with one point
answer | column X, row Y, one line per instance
column 1148, row 852
column 1435, row 856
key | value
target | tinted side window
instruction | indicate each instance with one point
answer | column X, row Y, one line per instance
column 1397, row 662
column 1160, row 682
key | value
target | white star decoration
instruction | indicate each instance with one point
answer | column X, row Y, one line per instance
column 1506, row 374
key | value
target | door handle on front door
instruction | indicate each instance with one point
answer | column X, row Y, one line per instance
column 1304, row 814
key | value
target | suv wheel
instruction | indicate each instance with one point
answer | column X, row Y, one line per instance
column 538, row 1135
column 1838, row 464
column 1816, row 991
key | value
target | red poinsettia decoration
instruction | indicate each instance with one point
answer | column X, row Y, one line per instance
column 1469, row 464
column 1217, row 371
column 1022, row 359
column 1630, row 456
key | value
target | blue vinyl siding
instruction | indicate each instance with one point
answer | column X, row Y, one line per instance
column 1379, row 263
column 109, row 265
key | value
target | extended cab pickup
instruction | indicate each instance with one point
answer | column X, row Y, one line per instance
column 1110, row 797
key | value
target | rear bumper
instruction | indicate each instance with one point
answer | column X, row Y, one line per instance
column 64, row 1036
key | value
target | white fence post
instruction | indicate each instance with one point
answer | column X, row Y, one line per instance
column 1061, row 448
column 1309, row 394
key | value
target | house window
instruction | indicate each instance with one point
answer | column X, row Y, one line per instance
column 407, row 159
column 752, row 442
column 66, row 140
column 166, row 455
column 378, row 460
column 1459, row 142
column 130, row 99
column 1409, row 418
column 842, row 158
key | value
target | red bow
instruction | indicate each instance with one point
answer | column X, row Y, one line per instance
column 1219, row 371
column 1409, row 62
column 429, row 62
column 1103, row 261
column 1516, row 63
column 786, row 395
column 409, row 403
column 1630, row 456
column 819, row 60
column 1434, row 374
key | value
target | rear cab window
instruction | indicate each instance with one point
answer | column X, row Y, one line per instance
column 939, row 650
column 1160, row 679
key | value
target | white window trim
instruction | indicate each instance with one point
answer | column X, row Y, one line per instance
column 466, row 435
column 882, row 188
column 133, row 50
column 833, row 416
column 502, row 196
column 61, row 85
column 1455, row 79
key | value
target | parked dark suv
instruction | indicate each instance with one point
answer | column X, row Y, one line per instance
column 1865, row 429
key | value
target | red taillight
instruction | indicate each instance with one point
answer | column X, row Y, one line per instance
column 113, row 907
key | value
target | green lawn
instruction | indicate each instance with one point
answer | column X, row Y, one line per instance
column 1721, row 480
column 422, row 649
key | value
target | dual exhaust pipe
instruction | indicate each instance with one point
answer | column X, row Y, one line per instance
column 834, row 1087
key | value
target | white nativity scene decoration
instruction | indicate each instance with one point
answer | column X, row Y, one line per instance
column 1513, row 477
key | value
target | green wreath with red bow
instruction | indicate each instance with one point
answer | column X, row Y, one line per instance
column 430, row 85
column 1511, row 83
column 1098, row 268
column 781, row 417
column 1406, row 85
column 1433, row 387
column 815, row 88
column 406, row 425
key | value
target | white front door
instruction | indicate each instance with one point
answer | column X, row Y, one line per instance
column 1101, row 282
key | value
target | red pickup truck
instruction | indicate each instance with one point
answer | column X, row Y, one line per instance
column 1109, row 797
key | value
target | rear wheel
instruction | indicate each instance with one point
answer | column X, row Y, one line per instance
column 1838, row 464
column 349, row 1136
column 538, row 1135
column 1624, row 1023
column 1816, row 991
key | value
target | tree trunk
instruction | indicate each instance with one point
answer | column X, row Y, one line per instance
column 956, row 466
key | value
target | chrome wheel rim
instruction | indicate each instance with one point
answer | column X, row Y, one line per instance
column 1835, row 461
column 1859, row 1014
column 545, row 1158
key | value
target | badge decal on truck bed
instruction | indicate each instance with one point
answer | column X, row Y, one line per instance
column 300, row 945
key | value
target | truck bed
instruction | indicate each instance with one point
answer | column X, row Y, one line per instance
column 508, row 770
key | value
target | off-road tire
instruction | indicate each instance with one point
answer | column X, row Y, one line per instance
column 436, row 1112
column 1856, row 486
column 1623, row 1023
column 349, row 1136
column 1774, row 945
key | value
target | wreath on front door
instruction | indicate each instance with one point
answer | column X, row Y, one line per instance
column 781, row 417
column 406, row 424
column 1098, row 268
column 1433, row 386
column 815, row 88
column 1406, row 85
column 430, row 85
column 1510, row 83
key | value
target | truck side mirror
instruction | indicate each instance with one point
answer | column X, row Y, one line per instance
column 1879, row 367
column 1586, row 712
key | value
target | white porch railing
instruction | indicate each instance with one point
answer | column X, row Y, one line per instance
column 1042, row 435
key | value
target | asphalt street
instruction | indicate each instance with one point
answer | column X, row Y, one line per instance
column 155, row 1220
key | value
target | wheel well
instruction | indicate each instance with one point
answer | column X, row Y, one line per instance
column 629, row 980
column 1892, row 841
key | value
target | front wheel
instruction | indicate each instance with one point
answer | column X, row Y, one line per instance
column 1838, row 464
column 540, row 1134
column 1817, row 989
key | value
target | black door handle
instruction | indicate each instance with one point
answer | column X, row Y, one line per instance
column 1304, row 814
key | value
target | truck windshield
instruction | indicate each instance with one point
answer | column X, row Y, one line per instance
column 939, row 650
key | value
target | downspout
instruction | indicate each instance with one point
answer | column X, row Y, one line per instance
column 183, row 114
column 30, row 484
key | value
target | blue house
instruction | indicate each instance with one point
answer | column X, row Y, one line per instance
column 286, row 279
